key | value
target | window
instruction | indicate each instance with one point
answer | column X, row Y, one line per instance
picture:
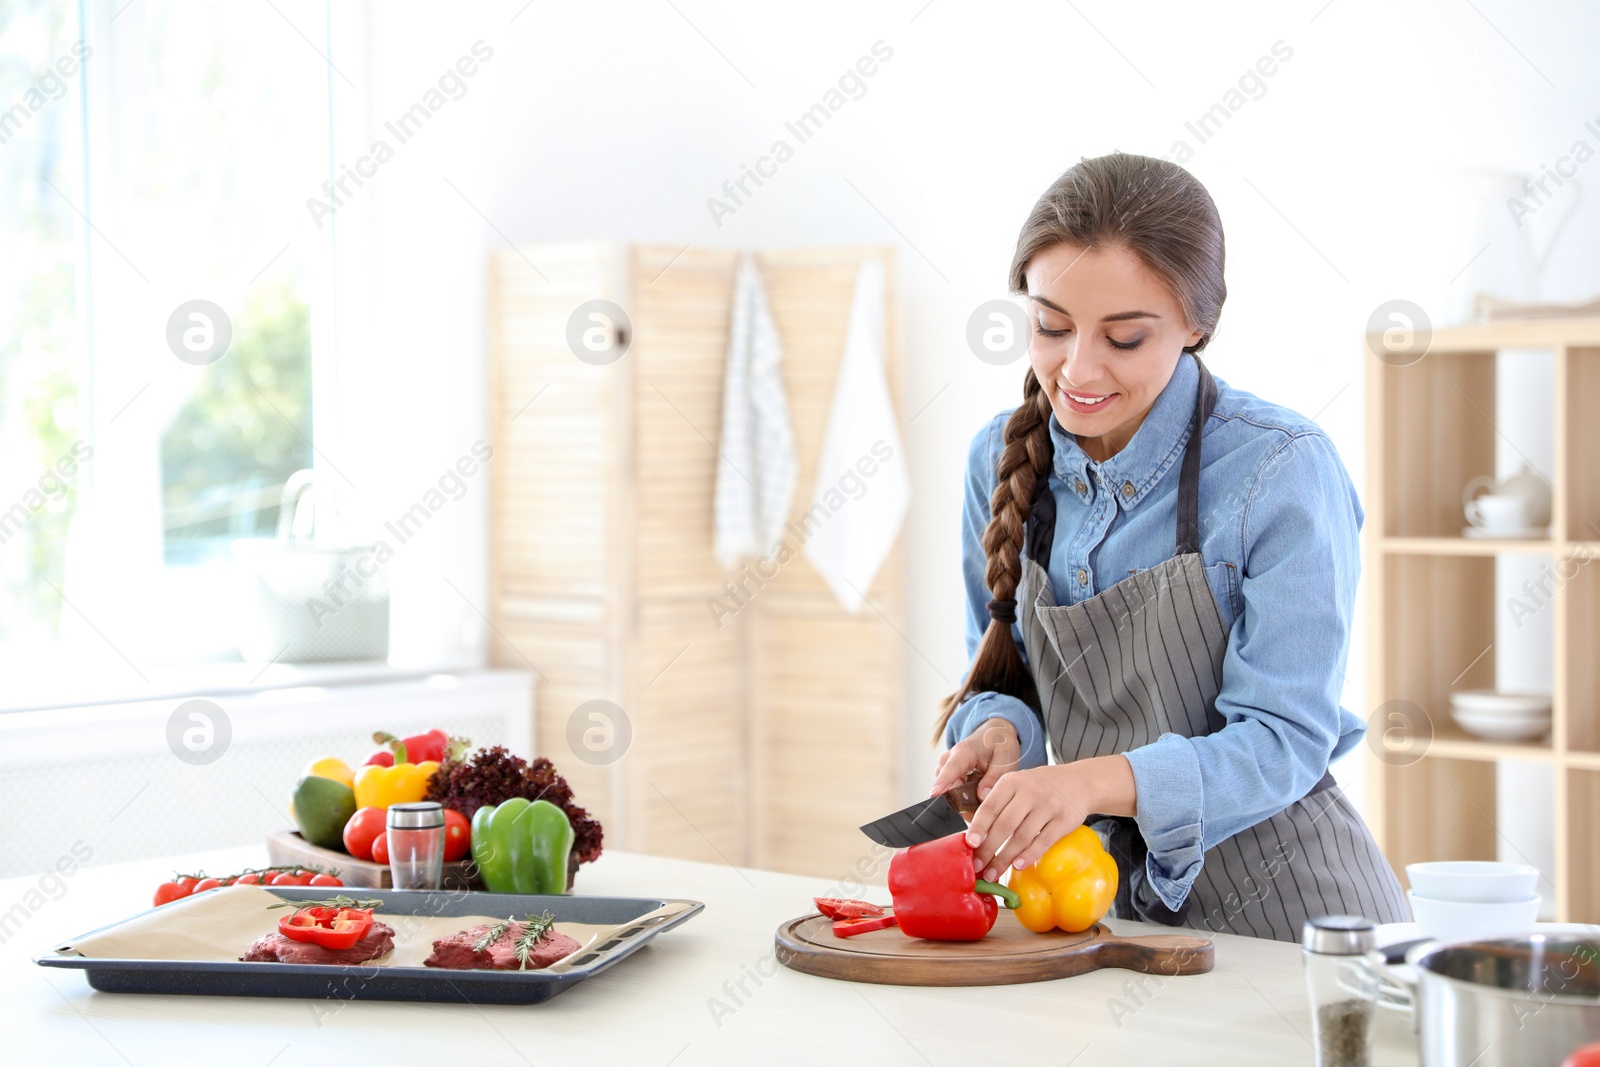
column 172, row 166
column 40, row 146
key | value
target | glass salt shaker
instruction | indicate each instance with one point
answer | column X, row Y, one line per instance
column 1342, row 988
column 416, row 844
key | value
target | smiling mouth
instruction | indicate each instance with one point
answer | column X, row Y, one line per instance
column 1085, row 399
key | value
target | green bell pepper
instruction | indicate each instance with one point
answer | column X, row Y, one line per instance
column 522, row 847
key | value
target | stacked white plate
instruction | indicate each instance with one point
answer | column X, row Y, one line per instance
column 1499, row 716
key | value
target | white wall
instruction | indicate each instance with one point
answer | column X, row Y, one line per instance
column 1340, row 187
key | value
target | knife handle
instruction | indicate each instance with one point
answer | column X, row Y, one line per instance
column 963, row 796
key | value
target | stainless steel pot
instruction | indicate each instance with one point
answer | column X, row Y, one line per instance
column 1523, row 1001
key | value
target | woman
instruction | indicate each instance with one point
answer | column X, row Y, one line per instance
column 1190, row 698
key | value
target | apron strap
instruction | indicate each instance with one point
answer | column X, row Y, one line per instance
column 1189, row 478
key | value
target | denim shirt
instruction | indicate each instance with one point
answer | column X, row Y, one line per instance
column 1279, row 535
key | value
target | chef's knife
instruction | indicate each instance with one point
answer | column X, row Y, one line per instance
column 928, row 820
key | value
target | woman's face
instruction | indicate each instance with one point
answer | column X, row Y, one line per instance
column 1106, row 336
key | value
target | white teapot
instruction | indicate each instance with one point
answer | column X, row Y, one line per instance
column 1527, row 484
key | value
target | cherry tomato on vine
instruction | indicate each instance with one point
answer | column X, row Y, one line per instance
column 167, row 892
column 457, row 835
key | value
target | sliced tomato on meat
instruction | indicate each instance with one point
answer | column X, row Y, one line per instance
column 852, row 927
column 840, row 908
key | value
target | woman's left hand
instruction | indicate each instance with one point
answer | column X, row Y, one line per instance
column 1028, row 811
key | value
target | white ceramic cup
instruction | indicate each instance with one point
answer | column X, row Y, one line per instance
column 1498, row 511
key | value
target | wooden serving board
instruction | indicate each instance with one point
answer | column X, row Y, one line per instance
column 287, row 846
column 1011, row 953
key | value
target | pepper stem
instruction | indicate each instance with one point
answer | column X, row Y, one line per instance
column 1008, row 897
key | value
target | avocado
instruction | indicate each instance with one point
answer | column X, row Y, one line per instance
column 321, row 808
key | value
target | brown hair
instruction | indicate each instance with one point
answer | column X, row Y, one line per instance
column 1162, row 214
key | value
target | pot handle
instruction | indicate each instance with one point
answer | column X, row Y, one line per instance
column 1394, row 992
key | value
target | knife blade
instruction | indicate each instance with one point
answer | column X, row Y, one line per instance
column 928, row 820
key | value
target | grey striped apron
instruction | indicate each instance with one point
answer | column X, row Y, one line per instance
column 1144, row 658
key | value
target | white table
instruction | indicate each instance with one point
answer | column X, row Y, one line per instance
column 676, row 1001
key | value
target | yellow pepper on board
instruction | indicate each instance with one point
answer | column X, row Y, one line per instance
column 1071, row 887
column 379, row 787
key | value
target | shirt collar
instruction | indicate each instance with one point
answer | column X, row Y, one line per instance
column 1156, row 445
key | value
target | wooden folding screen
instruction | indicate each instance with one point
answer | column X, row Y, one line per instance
column 761, row 736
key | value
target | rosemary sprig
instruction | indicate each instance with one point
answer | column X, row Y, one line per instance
column 340, row 901
column 490, row 936
column 530, row 937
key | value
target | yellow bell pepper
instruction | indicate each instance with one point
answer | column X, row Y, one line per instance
column 1071, row 887
column 379, row 787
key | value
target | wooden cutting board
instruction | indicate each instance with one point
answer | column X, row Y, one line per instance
column 1010, row 954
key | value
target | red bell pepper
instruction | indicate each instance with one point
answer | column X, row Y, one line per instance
column 434, row 745
column 840, row 908
column 864, row 925
column 328, row 927
column 938, row 896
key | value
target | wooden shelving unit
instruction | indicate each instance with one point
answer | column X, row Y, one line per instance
column 1431, row 606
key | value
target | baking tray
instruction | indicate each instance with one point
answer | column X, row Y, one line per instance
column 367, row 982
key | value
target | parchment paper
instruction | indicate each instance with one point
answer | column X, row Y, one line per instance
column 222, row 924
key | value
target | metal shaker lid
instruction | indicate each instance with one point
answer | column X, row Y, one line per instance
column 1339, row 935
column 417, row 815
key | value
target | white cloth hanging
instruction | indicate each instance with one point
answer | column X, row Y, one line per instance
column 756, row 466
column 863, row 488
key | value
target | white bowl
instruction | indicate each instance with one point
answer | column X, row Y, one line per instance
column 1473, row 881
column 1494, row 702
column 1501, row 728
column 1455, row 918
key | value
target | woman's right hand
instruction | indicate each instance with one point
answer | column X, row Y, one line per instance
column 992, row 748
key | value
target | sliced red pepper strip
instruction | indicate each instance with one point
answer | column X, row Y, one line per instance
column 328, row 927
column 852, row 927
column 840, row 908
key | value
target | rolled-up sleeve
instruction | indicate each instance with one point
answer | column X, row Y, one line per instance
column 1282, row 673
column 982, row 456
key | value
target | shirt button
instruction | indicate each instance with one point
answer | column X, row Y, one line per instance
column 1127, row 489
column 1083, row 576
column 1080, row 486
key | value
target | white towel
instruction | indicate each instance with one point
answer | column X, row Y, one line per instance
column 756, row 467
column 863, row 488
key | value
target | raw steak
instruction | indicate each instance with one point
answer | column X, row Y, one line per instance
column 275, row 948
column 455, row 952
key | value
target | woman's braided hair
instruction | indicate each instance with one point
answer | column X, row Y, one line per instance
column 1162, row 214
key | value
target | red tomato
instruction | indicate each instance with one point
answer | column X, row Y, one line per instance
column 324, row 879
column 205, row 883
column 381, row 758
column 457, row 835
column 186, row 881
column 248, row 879
column 380, row 848
column 286, row 878
column 364, row 826
column 167, row 892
